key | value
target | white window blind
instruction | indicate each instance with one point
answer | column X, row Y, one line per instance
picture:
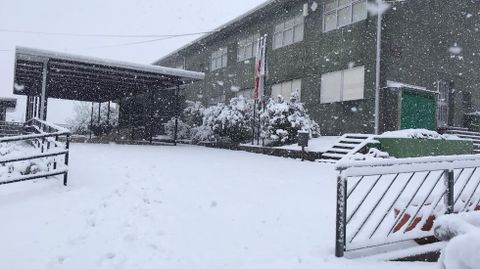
column 345, row 85
column 286, row 89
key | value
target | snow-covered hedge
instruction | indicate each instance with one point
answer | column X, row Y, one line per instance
column 281, row 121
column 232, row 121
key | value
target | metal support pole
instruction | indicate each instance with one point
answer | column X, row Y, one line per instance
column 35, row 107
column 43, row 114
column 449, row 177
column 67, row 155
column 177, row 111
column 91, row 122
column 108, row 113
column 99, row 113
column 341, row 225
column 152, row 107
column 377, row 70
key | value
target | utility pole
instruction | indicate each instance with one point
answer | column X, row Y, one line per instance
column 377, row 68
column 381, row 7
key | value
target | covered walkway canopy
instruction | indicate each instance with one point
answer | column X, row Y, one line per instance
column 41, row 74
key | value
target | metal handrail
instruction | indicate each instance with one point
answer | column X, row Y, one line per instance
column 46, row 139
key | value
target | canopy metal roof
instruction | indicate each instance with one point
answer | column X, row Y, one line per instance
column 90, row 79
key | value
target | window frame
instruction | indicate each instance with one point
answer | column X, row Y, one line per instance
column 219, row 59
column 342, row 85
column 244, row 44
column 339, row 7
column 282, row 87
column 293, row 24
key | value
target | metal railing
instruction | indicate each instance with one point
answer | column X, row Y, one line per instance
column 384, row 203
column 41, row 151
column 8, row 128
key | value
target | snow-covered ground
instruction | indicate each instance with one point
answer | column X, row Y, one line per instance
column 320, row 144
column 175, row 207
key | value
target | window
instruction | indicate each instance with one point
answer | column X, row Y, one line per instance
column 345, row 85
column 288, row 32
column 338, row 13
column 286, row 89
column 247, row 48
column 218, row 59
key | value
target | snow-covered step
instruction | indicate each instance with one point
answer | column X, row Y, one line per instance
column 456, row 128
column 341, row 150
column 347, row 145
column 333, row 155
column 463, row 131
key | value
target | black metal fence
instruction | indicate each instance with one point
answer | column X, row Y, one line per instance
column 384, row 203
column 40, row 151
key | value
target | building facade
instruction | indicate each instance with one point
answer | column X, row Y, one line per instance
column 326, row 51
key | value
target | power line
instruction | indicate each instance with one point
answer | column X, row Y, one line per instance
column 101, row 35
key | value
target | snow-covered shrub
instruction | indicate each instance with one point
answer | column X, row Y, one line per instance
column 183, row 129
column 281, row 121
column 202, row 134
column 193, row 114
column 191, row 117
column 232, row 121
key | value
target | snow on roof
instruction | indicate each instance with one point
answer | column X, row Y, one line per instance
column 394, row 84
column 32, row 53
column 220, row 28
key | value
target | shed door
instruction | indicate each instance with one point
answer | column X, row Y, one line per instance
column 443, row 103
column 418, row 110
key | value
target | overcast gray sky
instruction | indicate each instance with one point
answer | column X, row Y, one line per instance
column 124, row 17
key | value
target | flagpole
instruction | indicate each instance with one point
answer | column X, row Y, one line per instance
column 253, row 120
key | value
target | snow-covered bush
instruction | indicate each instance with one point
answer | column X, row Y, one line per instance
column 183, row 129
column 281, row 121
column 191, row 117
column 193, row 114
column 202, row 134
column 232, row 121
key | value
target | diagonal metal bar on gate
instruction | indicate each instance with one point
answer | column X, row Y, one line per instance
column 471, row 196
column 465, row 185
column 423, row 203
column 355, row 186
column 374, row 208
column 363, row 200
column 432, row 211
column 392, row 205
column 399, row 217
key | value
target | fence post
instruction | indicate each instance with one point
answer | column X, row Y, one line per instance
column 67, row 146
column 449, row 191
column 341, row 224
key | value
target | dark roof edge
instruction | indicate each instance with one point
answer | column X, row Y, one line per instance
column 219, row 29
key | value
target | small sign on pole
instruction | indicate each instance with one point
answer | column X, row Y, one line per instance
column 303, row 137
